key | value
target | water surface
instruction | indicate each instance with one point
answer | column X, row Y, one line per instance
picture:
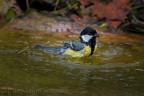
column 116, row 69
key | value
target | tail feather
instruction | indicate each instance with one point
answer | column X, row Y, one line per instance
column 59, row 50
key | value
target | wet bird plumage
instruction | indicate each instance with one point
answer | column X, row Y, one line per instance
column 86, row 46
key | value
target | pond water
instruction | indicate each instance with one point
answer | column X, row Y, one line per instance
column 116, row 69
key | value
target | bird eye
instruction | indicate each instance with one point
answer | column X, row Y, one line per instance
column 88, row 34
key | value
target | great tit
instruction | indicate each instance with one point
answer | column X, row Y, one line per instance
column 86, row 45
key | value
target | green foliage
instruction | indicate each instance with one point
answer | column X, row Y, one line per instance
column 136, row 20
column 29, row 11
column 10, row 14
column 57, row 2
column 136, row 7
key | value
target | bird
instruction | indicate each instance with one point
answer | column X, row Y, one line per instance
column 84, row 47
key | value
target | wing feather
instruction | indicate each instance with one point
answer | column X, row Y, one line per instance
column 74, row 45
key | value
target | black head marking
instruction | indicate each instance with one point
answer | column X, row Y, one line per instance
column 88, row 31
column 92, row 41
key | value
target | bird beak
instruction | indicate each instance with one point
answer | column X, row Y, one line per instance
column 96, row 35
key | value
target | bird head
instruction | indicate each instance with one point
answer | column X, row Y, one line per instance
column 88, row 34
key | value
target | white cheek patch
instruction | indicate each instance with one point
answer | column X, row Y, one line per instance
column 86, row 38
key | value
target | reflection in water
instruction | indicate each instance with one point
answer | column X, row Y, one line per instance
column 115, row 70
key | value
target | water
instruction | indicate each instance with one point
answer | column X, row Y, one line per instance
column 116, row 69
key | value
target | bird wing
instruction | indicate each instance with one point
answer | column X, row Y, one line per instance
column 74, row 45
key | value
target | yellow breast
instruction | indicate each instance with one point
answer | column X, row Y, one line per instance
column 84, row 52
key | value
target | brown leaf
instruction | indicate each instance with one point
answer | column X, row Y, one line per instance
column 84, row 2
